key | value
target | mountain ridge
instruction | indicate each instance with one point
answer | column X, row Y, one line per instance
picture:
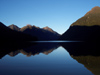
column 45, row 33
column 90, row 18
column 14, row 27
column 87, row 28
column 8, row 34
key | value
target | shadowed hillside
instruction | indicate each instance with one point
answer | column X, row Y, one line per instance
column 82, row 33
column 86, row 28
column 45, row 33
column 8, row 34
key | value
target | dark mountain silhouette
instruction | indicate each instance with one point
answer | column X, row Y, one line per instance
column 86, row 28
column 45, row 33
column 8, row 34
column 82, row 33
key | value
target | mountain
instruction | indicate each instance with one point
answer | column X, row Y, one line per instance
column 86, row 28
column 45, row 33
column 90, row 18
column 48, row 29
column 14, row 27
column 8, row 34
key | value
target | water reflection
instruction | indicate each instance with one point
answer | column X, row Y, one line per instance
column 27, row 48
column 7, row 47
column 92, row 63
column 85, row 53
column 82, row 48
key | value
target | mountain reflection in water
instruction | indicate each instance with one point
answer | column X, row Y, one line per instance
column 83, row 52
column 27, row 48
column 44, row 48
column 86, row 53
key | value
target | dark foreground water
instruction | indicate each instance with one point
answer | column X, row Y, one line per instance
column 52, row 58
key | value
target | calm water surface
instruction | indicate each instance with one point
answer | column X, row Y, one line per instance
column 44, row 59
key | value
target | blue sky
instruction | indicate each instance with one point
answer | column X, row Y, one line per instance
column 56, row 14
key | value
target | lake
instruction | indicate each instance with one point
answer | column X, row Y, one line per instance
column 49, row 58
